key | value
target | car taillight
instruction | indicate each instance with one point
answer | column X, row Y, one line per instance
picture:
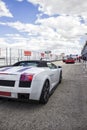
column 26, row 77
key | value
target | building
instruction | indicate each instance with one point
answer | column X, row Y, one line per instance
column 84, row 51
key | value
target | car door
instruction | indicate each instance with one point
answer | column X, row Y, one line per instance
column 54, row 73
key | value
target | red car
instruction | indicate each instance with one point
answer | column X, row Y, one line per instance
column 70, row 60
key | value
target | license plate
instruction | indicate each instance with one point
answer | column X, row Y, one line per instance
column 5, row 93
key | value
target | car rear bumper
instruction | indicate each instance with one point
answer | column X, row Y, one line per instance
column 15, row 93
column 32, row 93
column 19, row 96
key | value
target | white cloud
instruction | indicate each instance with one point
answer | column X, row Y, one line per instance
column 3, row 43
column 59, row 34
column 51, row 33
column 4, row 11
column 71, row 7
column 69, row 27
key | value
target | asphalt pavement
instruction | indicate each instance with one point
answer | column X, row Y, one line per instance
column 65, row 110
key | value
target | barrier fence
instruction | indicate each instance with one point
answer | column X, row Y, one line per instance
column 9, row 56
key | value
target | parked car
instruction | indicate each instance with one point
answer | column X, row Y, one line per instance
column 30, row 80
column 70, row 60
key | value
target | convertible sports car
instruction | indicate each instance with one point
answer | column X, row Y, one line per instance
column 29, row 80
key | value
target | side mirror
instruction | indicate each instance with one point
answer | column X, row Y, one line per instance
column 59, row 66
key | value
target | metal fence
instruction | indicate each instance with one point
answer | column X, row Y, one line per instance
column 9, row 56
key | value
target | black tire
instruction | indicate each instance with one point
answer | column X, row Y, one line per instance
column 60, row 79
column 45, row 93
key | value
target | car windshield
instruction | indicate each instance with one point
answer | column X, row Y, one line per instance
column 31, row 63
column 70, row 58
column 26, row 64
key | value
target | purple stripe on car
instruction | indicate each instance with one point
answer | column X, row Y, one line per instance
column 21, row 70
column 5, row 69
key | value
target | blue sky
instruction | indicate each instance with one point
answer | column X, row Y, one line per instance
column 44, row 25
column 25, row 12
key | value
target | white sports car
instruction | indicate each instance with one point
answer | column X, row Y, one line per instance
column 30, row 80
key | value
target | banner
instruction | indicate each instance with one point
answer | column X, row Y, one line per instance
column 27, row 53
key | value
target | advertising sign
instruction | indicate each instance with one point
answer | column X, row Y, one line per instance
column 27, row 53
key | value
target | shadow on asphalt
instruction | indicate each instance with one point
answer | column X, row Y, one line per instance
column 18, row 104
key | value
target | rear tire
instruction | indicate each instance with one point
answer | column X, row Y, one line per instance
column 45, row 93
column 60, row 79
